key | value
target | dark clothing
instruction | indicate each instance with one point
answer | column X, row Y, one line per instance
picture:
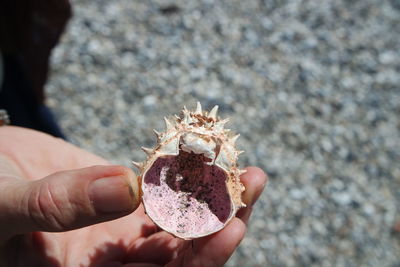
column 29, row 30
column 21, row 104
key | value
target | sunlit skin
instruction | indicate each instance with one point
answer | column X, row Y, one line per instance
column 132, row 240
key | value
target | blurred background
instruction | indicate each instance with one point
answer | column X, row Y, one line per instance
column 313, row 87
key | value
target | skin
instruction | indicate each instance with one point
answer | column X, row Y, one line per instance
column 67, row 229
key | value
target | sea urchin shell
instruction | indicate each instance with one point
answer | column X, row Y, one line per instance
column 190, row 181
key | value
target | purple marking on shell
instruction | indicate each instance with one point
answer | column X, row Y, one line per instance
column 187, row 196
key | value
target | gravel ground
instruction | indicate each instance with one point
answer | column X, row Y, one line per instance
column 312, row 86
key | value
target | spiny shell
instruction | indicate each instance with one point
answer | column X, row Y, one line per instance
column 190, row 181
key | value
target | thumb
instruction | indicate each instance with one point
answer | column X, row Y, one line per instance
column 67, row 200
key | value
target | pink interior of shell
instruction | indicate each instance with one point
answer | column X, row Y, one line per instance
column 186, row 196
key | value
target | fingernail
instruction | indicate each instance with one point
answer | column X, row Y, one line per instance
column 111, row 194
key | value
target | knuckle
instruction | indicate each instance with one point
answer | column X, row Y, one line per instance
column 48, row 207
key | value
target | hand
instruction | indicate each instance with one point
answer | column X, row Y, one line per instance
column 41, row 219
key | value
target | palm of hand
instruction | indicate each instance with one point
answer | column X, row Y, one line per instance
column 132, row 240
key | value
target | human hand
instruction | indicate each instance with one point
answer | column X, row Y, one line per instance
column 60, row 220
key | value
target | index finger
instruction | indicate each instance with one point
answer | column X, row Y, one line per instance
column 254, row 180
